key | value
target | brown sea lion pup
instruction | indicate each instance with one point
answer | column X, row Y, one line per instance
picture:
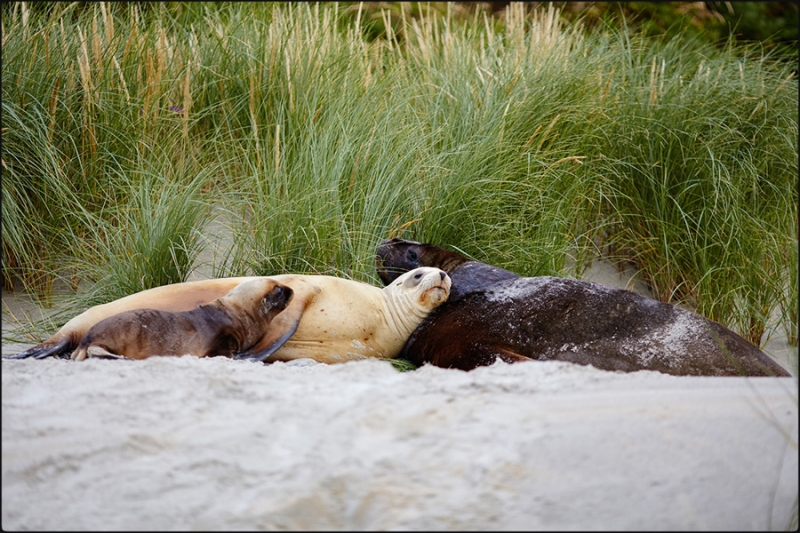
column 493, row 313
column 230, row 324
column 328, row 319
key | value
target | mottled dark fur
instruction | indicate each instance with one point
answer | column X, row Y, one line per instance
column 495, row 313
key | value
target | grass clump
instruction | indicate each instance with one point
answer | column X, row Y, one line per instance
column 515, row 140
column 150, row 240
column 402, row 365
column 702, row 196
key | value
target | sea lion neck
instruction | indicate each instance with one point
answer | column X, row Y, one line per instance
column 406, row 306
column 440, row 258
column 473, row 276
column 220, row 311
column 402, row 315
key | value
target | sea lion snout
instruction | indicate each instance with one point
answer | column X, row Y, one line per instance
column 265, row 293
column 395, row 257
column 434, row 284
column 444, row 286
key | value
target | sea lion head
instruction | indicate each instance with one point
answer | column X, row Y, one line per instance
column 263, row 297
column 418, row 292
column 397, row 256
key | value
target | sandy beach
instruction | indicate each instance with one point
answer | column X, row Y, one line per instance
column 187, row 443
column 153, row 143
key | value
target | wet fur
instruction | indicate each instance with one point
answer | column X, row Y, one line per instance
column 493, row 313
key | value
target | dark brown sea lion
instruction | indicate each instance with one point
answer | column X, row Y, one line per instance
column 328, row 319
column 493, row 313
column 231, row 324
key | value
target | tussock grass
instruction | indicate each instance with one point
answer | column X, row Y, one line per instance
column 513, row 141
column 703, row 193
column 152, row 239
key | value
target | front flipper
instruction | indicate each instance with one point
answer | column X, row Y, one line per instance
column 275, row 341
column 473, row 356
column 509, row 356
column 98, row 352
column 48, row 348
column 282, row 327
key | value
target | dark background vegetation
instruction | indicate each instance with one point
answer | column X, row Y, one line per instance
column 774, row 24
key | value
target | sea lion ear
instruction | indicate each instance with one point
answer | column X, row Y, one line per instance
column 278, row 297
column 280, row 329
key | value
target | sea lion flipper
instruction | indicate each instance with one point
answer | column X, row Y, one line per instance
column 510, row 356
column 281, row 329
column 272, row 346
column 49, row 348
column 98, row 352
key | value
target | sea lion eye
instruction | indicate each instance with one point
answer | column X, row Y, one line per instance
column 412, row 255
column 417, row 276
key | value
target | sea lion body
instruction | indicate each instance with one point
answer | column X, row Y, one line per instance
column 493, row 313
column 328, row 319
column 348, row 320
column 230, row 324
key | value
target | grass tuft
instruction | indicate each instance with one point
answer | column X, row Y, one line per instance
column 518, row 141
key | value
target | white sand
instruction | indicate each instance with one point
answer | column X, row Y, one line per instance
column 186, row 443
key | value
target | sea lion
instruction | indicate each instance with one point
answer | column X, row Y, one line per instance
column 328, row 319
column 494, row 313
column 230, row 324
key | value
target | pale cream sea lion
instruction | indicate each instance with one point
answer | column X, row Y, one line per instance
column 328, row 319
column 230, row 324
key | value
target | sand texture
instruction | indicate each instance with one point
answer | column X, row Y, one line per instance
column 186, row 443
